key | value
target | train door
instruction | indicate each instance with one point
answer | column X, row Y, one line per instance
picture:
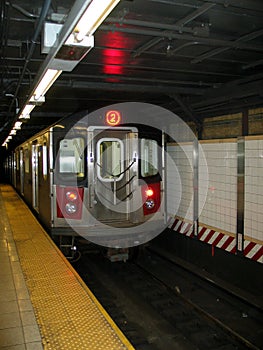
column 113, row 173
column 35, row 180
column 21, row 169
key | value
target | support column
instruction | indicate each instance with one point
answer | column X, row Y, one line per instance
column 195, row 187
column 245, row 123
column 199, row 127
column 241, row 184
column 240, row 194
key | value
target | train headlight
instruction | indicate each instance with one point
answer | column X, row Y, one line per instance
column 71, row 208
column 149, row 203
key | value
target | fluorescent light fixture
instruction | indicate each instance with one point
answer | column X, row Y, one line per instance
column 45, row 83
column 5, row 142
column 13, row 132
column 17, row 125
column 25, row 114
column 87, row 41
column 72, row 53
column 81, row 37
column 94, row 15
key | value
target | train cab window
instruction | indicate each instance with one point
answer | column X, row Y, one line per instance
column 71, row 157
column 110, row 159
column 149, row 157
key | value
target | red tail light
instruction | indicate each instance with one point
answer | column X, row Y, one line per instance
column 149, row 192
column 151, row 197
column 69, row 202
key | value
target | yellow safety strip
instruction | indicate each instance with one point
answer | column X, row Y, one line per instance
column 68, row 314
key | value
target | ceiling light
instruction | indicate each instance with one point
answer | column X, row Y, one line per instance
column 17, row 125
column 94, row 15
column 70, row 54
column 87, row 41
column 44, row 84
column 25, row 114
column 68, row 50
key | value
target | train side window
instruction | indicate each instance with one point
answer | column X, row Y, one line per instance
column 149, row 157
column 26, row 160
column 71, row 157
column 110, row 159
column 44, row 161
column 17, row 161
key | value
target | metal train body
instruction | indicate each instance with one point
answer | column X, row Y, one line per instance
column 94, row 176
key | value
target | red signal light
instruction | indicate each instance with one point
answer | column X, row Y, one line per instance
column 149, row 192
column 113, row 118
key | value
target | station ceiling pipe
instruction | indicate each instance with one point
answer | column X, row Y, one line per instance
column 40, row 22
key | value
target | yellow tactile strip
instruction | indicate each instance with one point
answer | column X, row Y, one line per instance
column 68, row 314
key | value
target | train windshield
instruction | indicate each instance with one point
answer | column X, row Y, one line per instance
column 149, row 157
column 71, row 157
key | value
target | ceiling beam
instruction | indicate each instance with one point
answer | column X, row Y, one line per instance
column 228, row 93
column 179, row 25
column 193, row 15
column 187, row 110
column 217, row 51
column 255, row 5
column 170, row 35
column 253, row 64
column 153, row 88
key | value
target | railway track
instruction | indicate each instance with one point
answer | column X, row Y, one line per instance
column 235, row 314
column 160, row 305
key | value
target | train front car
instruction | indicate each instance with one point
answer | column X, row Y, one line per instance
column 107, row 181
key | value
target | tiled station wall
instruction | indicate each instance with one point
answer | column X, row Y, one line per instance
column 220, row 206
column 180, row 180
column 218, row 193
column 253, row 220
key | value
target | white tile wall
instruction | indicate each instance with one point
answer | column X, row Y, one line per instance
column 219, row 204
column 253, row 220
column 217, row 184
column 180, row 181
column 219, row 208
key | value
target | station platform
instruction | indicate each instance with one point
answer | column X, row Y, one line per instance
column 44, row 304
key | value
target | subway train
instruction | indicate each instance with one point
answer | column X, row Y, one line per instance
column 97, row 177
